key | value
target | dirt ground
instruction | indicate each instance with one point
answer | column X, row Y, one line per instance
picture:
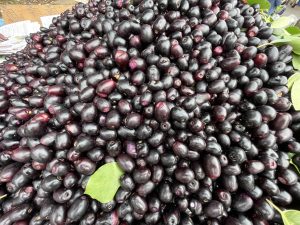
column 17, row 10
column 38, row 2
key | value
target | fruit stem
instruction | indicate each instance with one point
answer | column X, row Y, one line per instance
column 3, row 196
column 274, row 206
column 263, row 45
column 292, row 163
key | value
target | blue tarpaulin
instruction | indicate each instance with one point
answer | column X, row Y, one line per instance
column 275, row 4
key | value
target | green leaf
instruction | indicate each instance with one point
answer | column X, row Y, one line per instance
column 296, row 47
column 296, row 61
column 264, row 4
column 296, row 167
column 292, row 40
column 277, row 41
column 293, row 30
column 295, row 43
column 289, row 217
column 104, row 183
column 279, row 32
column 295, row 95
column 291, row 154
column 292, row 79
column 297, row 50
column 3, row 196
column 281, row 22
column 284, row 40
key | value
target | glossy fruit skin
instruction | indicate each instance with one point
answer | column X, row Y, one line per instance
column 41, row 154
column 77, row 209
column 230, row 183
column 183, row 95
column 138, row 204
column 126, row 163
column 242, row 203
column 142, row 175
column 264, row 210
column 255, row 167
column 229, row 64
column 212, row 166
column 214, row 209
column 184, row 175
column 50, row 183
column 249, row 53
column 287, row 177
column 19, row 213
column 261, row 60
column 62, row 196
column 8, row 172
column 58, row 215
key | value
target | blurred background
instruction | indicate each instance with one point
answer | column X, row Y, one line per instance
column 18, row 10
column 20, row 18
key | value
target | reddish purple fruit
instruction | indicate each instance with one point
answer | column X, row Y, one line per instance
column 121, row 58
column 260, row 60
column 105, row 87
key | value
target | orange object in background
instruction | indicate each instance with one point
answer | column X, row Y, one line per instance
column 15, row 13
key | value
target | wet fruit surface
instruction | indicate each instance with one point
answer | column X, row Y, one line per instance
column 177, row 92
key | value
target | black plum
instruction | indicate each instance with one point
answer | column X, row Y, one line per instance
column 183, row 95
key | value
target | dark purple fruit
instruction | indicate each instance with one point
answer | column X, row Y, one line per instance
column 184, row 175
column 242, row 203
column 77, row 209
column 212, row 166
column 138, row 204
column 185, row 95
column 229, row 64
column 105, row 87
column 213, row 209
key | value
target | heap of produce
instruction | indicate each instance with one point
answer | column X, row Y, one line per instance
column 149, row 112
